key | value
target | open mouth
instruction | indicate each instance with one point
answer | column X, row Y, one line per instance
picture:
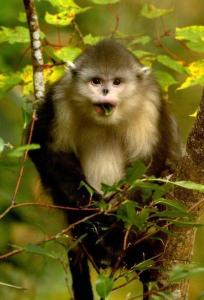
column 104, row 108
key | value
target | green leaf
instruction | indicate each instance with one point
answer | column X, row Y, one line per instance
column 19, row 151
column 194, row 35
column 103, row 2
column 184, row 184
column 165, row 79
column 104, row 285
column 183, row 272
column 17, row 35
column 102, row 205
column 26, row 113
column 171, row 63
column 9, row 81
column 170, row 214
column 172, row 204
column 36, row 249
column 87, row 187
column 143, row 40
column 67, row 53
column 142, row 53
column 189, row 185
column 91, row 40
column 152, row 12
column 144, row 265
column 22, row 17
column 196, row 74
column 2, row 144
column 136, row 170
column 128, row 214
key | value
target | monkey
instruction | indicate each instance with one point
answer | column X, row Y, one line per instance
column 105, row 113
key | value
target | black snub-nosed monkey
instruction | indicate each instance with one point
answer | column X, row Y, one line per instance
column 105, row 113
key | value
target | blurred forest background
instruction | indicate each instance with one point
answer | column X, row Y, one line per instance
column 44, row 277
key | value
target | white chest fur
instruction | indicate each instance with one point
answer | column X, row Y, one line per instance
column 102, row 158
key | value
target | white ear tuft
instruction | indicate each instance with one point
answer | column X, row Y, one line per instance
column 146, row 71
column 70, row 66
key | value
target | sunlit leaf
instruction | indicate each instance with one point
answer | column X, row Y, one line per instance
column 22, row 17
column 17, row 34
column 18, row 152
column 196, row 75
column 165, row 79
column 194, row 35
column 104, row 285
column 184, row 184
column 152, row 12
column 68, row 53
column 103, row 2
column 171, row 63
column 142, row 53
column 2, row 144
column 143, row 40
column 27, row 76
column 51, row 75
column 91, row 40
column 60, row 19
column 64, row 17
column 194, row 115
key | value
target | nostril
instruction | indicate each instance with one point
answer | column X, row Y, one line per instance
column 105, row 91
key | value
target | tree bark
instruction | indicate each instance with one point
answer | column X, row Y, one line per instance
column 179, row 248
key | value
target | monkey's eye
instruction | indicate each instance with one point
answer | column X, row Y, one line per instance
column 117, row 81
column 96, row 80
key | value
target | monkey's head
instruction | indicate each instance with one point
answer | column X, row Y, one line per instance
column 110, row 83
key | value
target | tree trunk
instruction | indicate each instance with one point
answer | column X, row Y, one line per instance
column 179, row 248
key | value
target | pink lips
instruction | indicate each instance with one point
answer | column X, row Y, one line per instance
column 105, row 108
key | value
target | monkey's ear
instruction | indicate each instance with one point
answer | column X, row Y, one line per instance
column 143, row 72
column 71, row 67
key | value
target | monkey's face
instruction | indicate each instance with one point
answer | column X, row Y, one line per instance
column 108, row 97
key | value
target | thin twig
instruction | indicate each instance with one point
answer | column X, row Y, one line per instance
column 52, row 237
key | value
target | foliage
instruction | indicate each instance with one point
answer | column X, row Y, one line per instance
column 170, row 69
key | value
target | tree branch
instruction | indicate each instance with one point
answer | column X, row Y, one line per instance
column 37, row 57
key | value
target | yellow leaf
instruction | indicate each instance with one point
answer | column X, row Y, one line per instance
column 196, row 74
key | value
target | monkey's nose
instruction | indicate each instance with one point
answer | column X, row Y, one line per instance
column 105, row 92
